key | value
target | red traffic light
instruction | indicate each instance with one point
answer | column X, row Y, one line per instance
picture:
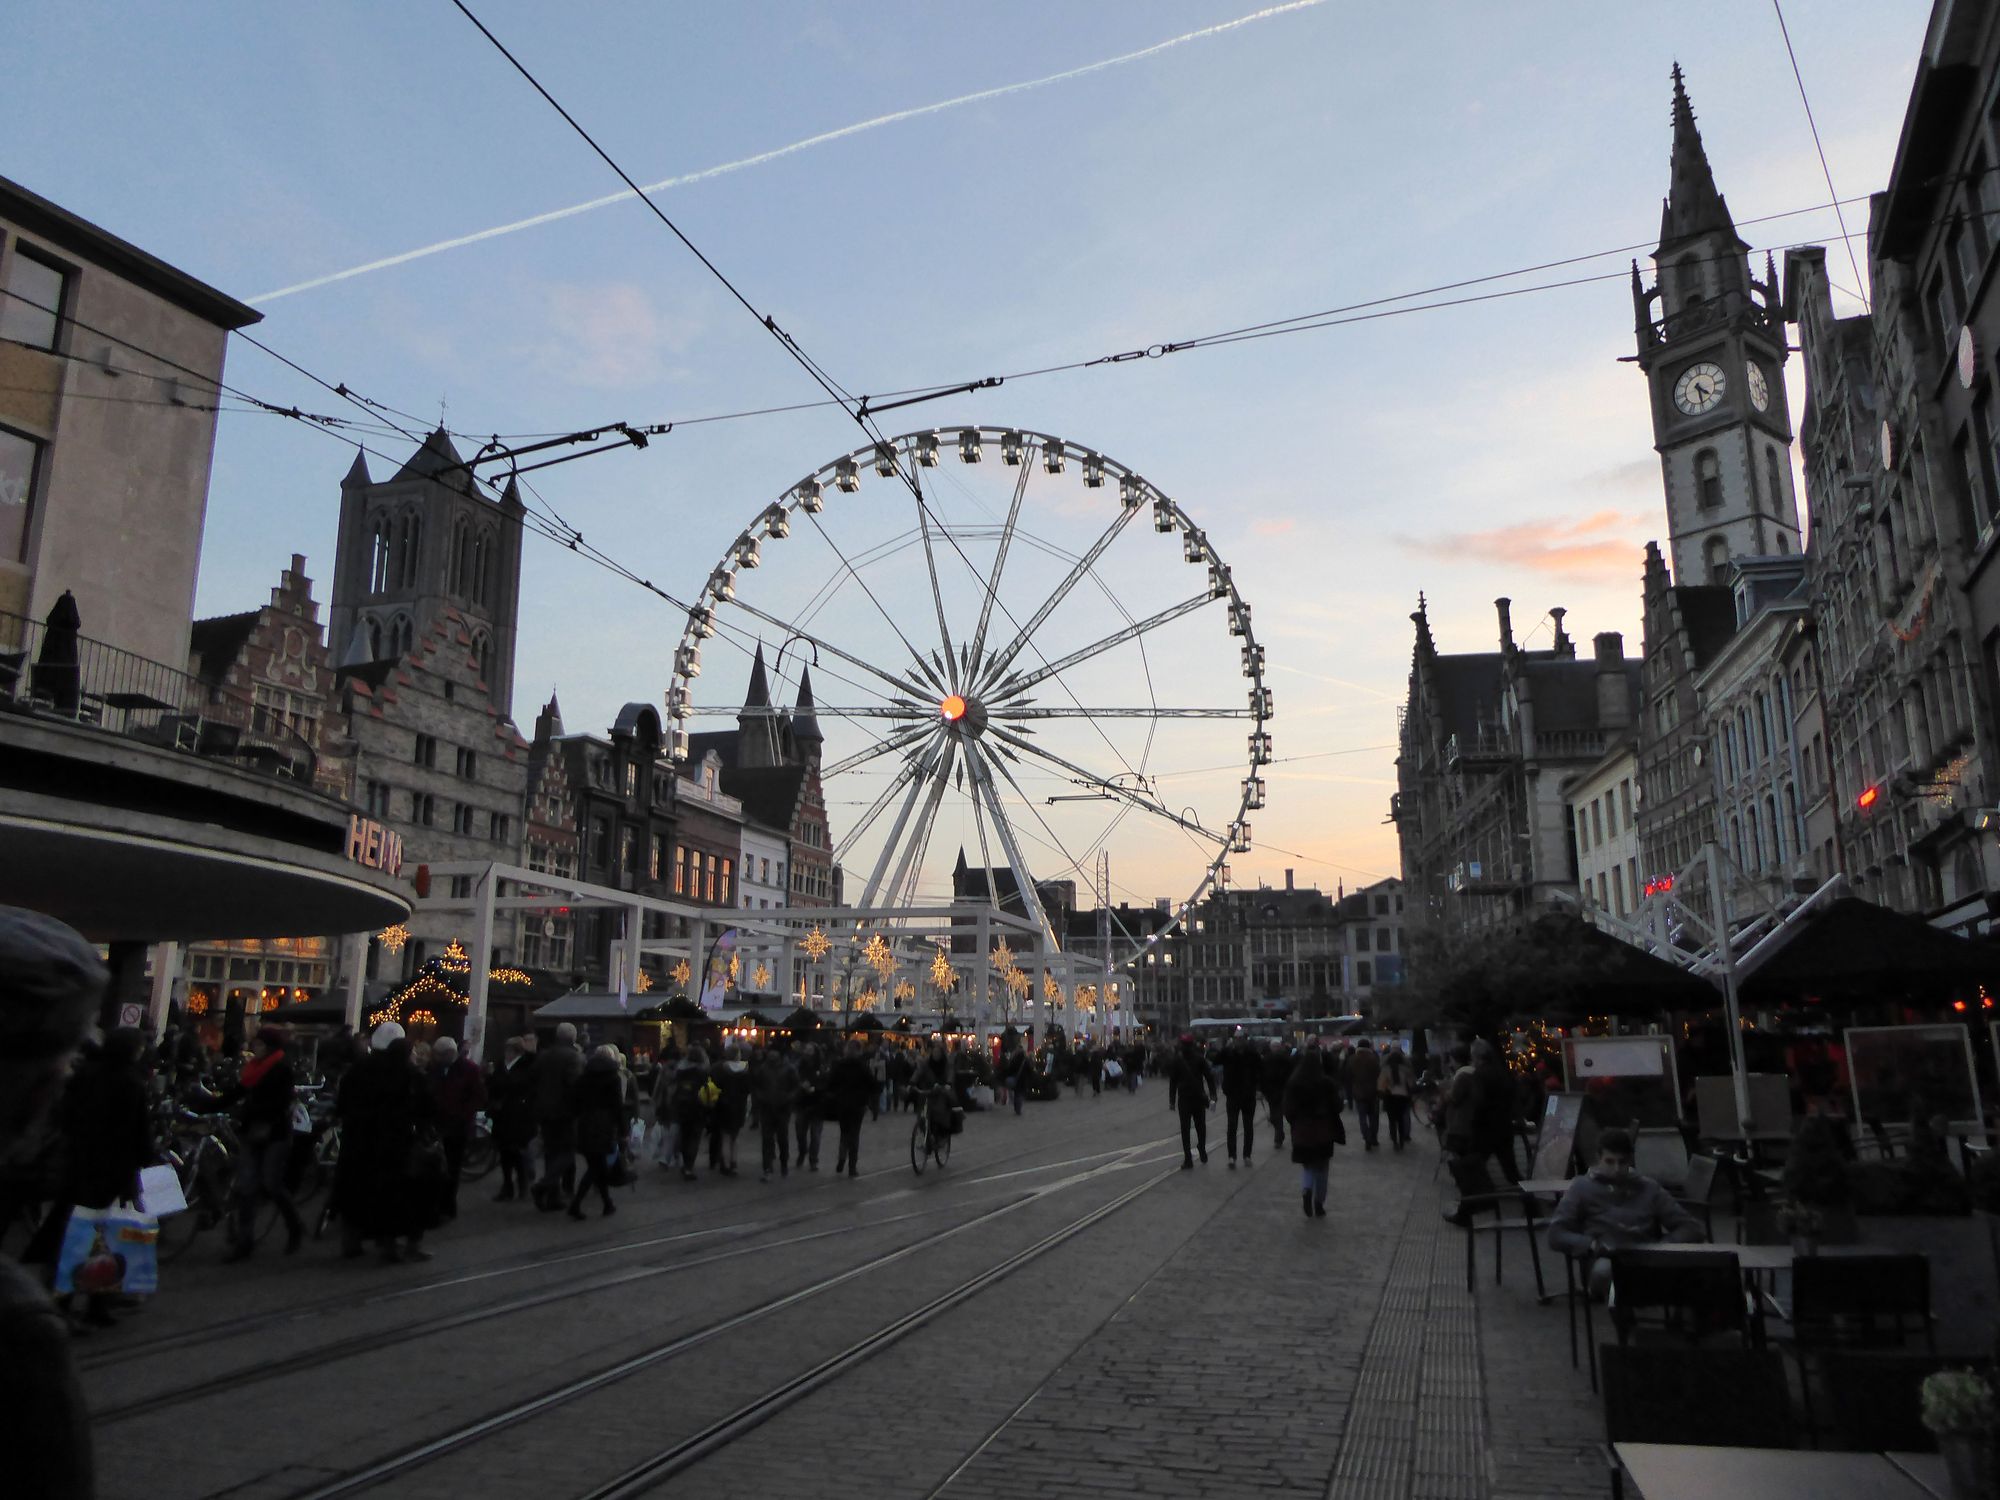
column 1868, row 798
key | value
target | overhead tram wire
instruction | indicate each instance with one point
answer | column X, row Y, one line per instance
column 1820, row 149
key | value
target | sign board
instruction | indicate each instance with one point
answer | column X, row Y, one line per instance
column 131, row 1013
column 1556, row 1143
column 1770, row 1108
column 371, row 845
column 1631, row 1080
column 1899, row 1070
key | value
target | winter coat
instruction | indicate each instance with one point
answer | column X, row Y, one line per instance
column 461, row 1094
column 733, row 1108
column 1364, row 1074
column 1397, row 1078
column 1634, row 1211
column 1277, row 1072
column 44, row 1424
column 1242, row 1071
column 513, row 1100
column 1493, row 1109
column 1461, row 1110
column 598, row 1104
column 1312, row 1109
column 556, row 1069
column 263, row 1110
column 1192, row 1084
column 383, row 1102
column 684, row 1096
column 777, row 1088
column 106, row 1133
column 849, row 1087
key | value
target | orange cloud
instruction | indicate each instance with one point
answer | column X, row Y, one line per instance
column 1273, row 527
column 1604, row 544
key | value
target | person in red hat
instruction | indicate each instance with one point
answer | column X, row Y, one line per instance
column 261, row 1100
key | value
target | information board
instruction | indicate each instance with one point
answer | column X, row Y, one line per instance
column 1631, row 1080
column 1556, row 1144
column 1898, row 1070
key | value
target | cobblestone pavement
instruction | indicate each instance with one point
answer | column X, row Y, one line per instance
column 1202, row 1337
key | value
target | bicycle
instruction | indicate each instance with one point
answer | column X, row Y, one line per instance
column 202, row 1151
column 481, row 1152
column 926, row 1142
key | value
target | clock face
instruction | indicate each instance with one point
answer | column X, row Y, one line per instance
column 1760, row 388
column 1700, row 388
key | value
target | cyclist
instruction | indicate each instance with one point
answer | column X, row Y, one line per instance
column 261, row 1099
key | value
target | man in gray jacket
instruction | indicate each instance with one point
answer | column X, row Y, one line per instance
column 554, row 1084
column 1612, row 1208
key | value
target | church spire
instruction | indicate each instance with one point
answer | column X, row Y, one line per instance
column 805, row 724
column 1694, row 206
column 759, row 695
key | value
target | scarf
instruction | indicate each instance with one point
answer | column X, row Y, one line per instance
column 257, row 1067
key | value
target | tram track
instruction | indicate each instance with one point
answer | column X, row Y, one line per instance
column 249, row 1324
column 688, row 1451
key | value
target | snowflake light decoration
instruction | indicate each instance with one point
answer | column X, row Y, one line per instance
column 1018, row 983
column 1051, row 991
column 681, row 971
column 905, row 990
column 1003, row 957
column 393, row 937
column 942, row 973
column 816, row 943
column 878, row 957
column 760, row 977
column 645, row 982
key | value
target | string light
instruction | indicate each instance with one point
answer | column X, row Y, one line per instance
column 455, row 958
column 878, row 957
column 423, row 1018
column 816, row 943
column 942, row 974
column 681, row 972
column 393, row 937
column 508, row 976
column 760, row 977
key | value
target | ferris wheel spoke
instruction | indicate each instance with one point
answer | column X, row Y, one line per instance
column 1098, row 783
column 937, row 591
column 897, row 739
column 1005, row 657
column 862, row 584
column 1024, row 880
column 1016, row 711
column 920, row 839
column 889, row 844
column 901, row 684
column 911, row 770
column 999, row 563
column 1020, row 684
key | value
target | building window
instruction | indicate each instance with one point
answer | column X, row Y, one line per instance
column 468, row 762
column 482, row 655
column 728, row 883
column 1384, row 942
column 423, row 808
column 1777, row 483
column 499, row 827
column 712, row 872
column 20, row 463
column 378, row 799
column 656, row 848
column 1596, row 820
column 1364, row 973
column 33, row 307
column 631, row 779
column 1941, row 315
column 1618, row 890
column 409, row 549
column 1965, row 254
column 426, row 752
column 482, row 551
column 461, row 821
column 378, row 555
column 1715, row 553
column 600, row 842
column 1610, row 814
column 628, row 844
column 1362, row 938
column 680, row 870
column 402, row 636
column 1708, row 479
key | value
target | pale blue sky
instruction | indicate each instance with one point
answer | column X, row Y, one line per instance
column 1324, row 156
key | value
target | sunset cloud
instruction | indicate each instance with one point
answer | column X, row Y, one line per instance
column 1604, row 544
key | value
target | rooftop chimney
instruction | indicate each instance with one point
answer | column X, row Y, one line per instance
column 1506, row 609
column 1288, row 879
column 1614, row 695
column 1564, row 646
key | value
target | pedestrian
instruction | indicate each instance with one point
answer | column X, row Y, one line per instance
column 850, row 1088
column 1017, row 1077
column 687, row 1106
column 1493, row 1112
column 378, row 1193
column 1242, row 1070
column 1275, row 1074
column 599, row 1109
column 1395, row 1086
column 1312, row 1107
column 262, row 1104
column 1193, row 1089
column 1364, row 1082
column 807, row 1114
column 513, row 1101
column 104, row 1131
column 1461, row 1101
column 778, row 1093
column 460, row 1089
column 878, row 1074
column 51, row 982
column 730, row 1110
column 556, row 1072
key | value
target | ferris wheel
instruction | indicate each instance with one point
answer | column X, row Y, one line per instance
column 1023, row 655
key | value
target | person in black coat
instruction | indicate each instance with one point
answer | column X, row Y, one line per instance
column 383, row 1103
column 808, row 1110
column 1275, row 1074
column 601, row 1122
column 513, row 1099
column 1312, row 1105
column 779, row 1091
column 1193, row 1088
column 1242, row 1072
column 850, row 1091
column 262, row 1103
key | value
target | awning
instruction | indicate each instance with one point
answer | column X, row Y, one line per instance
column 1855, row 952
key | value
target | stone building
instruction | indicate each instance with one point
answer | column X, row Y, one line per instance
column 548, row 937
column 1603, row 813
column 1488, row 740
column 423, row 543
column 1371, row 939
column 623, row 786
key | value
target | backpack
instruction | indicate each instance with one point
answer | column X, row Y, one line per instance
column 710, row 1093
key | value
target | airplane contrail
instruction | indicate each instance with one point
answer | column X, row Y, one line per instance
column 761, row 157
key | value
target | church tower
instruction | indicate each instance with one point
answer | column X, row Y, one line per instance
column 417, row 546
column 1712, row 346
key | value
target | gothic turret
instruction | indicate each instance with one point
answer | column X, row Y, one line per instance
column 805, row 723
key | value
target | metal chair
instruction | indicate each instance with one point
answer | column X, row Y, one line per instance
column 1692, row 1295
column 1487, row 1208
column 1861, row 1301
column 1733, row 1398
column 1697, row 1191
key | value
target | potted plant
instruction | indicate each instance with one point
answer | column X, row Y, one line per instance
column 1958, row 1407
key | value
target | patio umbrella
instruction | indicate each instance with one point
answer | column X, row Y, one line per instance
column 57, row 675
column 1591, row 972
column 1852, row 951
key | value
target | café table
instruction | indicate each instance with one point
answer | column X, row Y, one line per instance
column 1677, row 1471
column 1927, row 1469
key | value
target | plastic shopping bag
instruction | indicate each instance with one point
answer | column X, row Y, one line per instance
column 109, row 1250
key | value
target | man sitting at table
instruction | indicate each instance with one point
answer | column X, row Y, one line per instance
column 1612, row 1208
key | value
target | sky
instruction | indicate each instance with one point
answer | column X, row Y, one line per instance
column 1307, row 157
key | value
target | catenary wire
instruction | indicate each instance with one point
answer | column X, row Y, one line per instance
column 1819, row 148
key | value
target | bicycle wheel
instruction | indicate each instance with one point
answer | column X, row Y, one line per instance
column 920, row 1146
column 941, row 1147
column 481, row 1156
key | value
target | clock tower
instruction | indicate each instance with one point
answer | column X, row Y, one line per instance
column 1712, row 346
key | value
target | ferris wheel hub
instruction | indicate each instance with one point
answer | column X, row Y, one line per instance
column 966, row 715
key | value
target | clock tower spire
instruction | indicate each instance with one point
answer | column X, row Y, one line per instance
column 1712, row 346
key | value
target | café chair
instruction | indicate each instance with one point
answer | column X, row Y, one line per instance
column 1730, row 1398
column 1866, row 1301
column 1690, row 1295
column 1697, row 1191
column 1872, row 1401
column 1487, row 1208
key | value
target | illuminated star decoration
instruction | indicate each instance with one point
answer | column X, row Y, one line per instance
column 905, row 990
column 1018, row 983
column 735, row 966
column 878, row 957
column 817, row 944
column 760, row 977
column 423, row 1018
column 645, row 982
column 1003, row 957
column 1051, row 990
column 942, row 973
column 681, row 971
column 455, row 959
column 393, row 937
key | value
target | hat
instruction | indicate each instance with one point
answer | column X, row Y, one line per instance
column 1187, row 1037
column 385, row 1036
column 50, row 983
